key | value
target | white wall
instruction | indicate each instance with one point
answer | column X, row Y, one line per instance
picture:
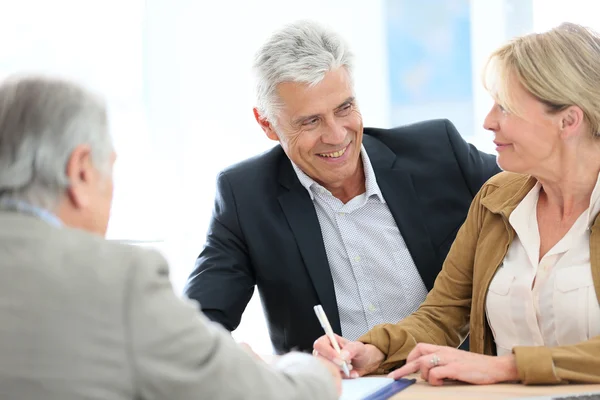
column 493, row 22
column 550, row 13
column 99, row 44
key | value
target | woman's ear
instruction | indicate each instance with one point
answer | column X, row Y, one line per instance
column 571, row 121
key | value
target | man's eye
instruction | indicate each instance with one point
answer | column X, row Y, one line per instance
column 344, row 109
column 311, row 121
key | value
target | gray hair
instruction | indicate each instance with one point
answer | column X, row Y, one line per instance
column 42, row 120
column 300, row 52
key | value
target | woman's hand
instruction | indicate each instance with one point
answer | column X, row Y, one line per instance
column 361, row 358
column 437, row 363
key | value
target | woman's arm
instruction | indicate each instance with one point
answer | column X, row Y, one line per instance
column 562, row 364
column 443, row 318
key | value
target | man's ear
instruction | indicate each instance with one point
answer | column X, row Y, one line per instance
column 79, row 171
column 265, row 125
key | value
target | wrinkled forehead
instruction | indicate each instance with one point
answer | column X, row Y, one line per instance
column 324, row 96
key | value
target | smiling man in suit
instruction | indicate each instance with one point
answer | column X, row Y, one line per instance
column 358, row 220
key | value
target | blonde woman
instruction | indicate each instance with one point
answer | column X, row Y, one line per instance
column 524, row 272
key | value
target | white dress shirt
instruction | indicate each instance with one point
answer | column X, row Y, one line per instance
column 374, row 276
column 551, row 302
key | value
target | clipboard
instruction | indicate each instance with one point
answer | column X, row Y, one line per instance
column 389, row 390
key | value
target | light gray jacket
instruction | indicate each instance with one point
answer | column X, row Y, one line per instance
column 84, row 318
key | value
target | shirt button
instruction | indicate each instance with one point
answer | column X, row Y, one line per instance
column 357, row 258
column 341, row 214
column 372, row 308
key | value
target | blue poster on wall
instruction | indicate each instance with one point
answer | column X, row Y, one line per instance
column 429, row 59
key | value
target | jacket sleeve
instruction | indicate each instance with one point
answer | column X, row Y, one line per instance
column 176, row 353
column 443, row 319
column 223, row 279
column 562, row 364
column 476, row 166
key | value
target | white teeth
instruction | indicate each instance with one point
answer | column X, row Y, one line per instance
column 335, row 154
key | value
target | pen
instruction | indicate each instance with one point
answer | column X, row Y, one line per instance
column 329, row 332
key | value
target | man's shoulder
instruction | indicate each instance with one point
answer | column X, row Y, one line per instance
column 120, row 254
column 418, row 131
column 69, row 251
column 267, row 161
column 432, row 143
column 258, row 176
column 113, row 261
column 419, row 140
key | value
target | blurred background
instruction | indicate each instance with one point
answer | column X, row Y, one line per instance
column 177, row 77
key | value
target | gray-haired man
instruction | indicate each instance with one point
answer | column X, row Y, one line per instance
column 358, row 220
column 85, row 318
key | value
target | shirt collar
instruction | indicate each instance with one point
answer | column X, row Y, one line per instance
column 372, row 188
column 26, row 208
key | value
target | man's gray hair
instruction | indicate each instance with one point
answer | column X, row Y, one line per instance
column 42, row 120
column 300, row 52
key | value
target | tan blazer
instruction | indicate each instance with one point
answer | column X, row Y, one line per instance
column 457, row 301
column 83, row 318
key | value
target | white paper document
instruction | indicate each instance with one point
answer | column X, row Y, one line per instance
column 359, row 388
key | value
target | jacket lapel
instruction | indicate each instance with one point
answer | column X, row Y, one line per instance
column 399, row 193
column 302, row 218
column 501, row 202
column 595, row 255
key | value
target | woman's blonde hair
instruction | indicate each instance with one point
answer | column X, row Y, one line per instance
column 560, row 67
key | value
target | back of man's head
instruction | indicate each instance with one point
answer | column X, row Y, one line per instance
column 44, row 123
column 303, row 52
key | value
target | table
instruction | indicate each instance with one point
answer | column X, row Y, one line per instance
column 458, row 391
